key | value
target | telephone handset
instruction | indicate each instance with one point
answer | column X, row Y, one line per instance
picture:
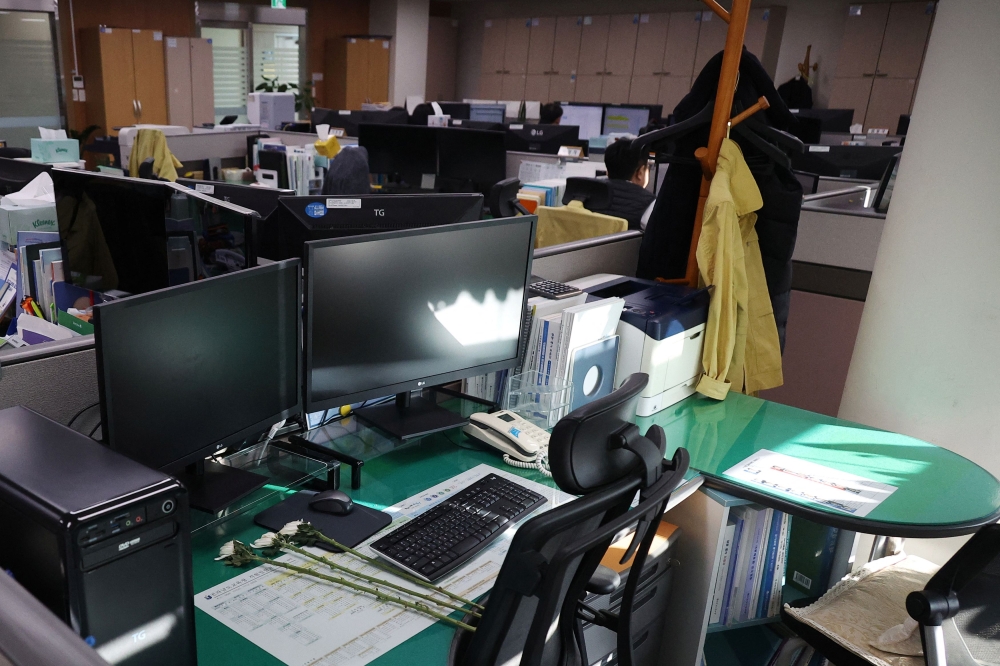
column 508, row 432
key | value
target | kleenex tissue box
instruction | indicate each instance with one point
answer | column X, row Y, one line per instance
column 52, row 151
column 16, row 218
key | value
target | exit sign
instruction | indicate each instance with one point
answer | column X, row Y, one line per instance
column 279, row 4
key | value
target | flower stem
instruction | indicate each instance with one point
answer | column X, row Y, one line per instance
column 372, row 579
column 402, row 574
column 363, row 588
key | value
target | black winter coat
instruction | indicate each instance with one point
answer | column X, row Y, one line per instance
column 667, row 241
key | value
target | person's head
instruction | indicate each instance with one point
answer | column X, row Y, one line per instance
column 550, row 114
column 348, row 173
column 624, row 162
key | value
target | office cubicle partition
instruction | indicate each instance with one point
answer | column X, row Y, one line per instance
column 56, row 379
column 615, row 254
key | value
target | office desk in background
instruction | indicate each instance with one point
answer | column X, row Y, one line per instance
column 940, row 493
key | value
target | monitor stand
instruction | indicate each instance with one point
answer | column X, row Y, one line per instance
column 213, row 487
column 411, row 417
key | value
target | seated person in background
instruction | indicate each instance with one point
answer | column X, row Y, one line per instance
column 550, row 114
column 348, row 173
column 628, row 175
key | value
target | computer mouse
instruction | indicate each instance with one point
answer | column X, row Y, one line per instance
column 334, row 502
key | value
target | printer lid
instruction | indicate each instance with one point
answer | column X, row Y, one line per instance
column 657, row 308
column 53, row 466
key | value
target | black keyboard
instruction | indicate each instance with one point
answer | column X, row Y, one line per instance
column 440, row 540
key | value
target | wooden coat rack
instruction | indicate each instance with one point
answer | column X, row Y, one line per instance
column 721, row 120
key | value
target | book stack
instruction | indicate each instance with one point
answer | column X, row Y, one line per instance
column 752, row 568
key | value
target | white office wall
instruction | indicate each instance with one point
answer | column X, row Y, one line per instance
column 927, row 359
column 408, row 21
column 816, row 22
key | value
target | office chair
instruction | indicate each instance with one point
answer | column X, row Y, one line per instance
column 535, row 611
column 958, row 611
column 13, row 153
column 503, row 199
column 594, row 193
column 146, row 169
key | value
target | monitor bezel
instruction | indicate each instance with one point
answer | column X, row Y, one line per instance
column 310, row 405
column 107, row 429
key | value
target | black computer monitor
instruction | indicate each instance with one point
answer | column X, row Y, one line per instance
column 546, row 139
column 15, row 174
column 629, row 118
column 389, row 313
column 300, row 219
column 477, row 124
column 350, row 121
column 186, row 371
column 261, row 199
column 866, row 162
column 457, row 110
column 831, row 120
column 886, row 185
column 405, row 154
column 588, row 117
column 470, row 160
column 134, row 236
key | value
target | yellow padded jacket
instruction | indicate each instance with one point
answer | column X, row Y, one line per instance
column 741, row 339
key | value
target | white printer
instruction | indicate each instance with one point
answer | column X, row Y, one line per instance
column 661, row 334
column 270, row 110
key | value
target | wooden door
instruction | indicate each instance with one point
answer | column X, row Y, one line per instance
column 377, row 87
column 890, row 99
column 489, row 86
column 442, row 59
column 515, row 58
column 536, row 87
column 593, row 46
column 565, row 57
column 906, row 33
column 672, row 90
column 682, row 44
column 862, row 41
column 512, row 87
column 588, row 88
column 851, row 93
column 651, row 42
column 202, row 82
column 177, row 61
column 562, row 88
column 622, row 35
column 354, row 63
column 756, row 32
column 711, row 39
column 615, row 89
column 150, row 76
column 494, row 36
column 540, row 48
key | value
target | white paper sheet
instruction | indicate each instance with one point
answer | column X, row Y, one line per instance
column 308, row 622
column 801, row 479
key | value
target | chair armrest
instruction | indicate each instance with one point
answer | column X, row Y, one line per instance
column 604, row 581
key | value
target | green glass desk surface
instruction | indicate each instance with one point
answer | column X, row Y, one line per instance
column 939, row 494
column 386, row 479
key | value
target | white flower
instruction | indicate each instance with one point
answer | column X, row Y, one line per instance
column 292, row 528
column 265, row 541
column 226, row 551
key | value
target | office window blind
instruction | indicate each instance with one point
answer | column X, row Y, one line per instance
column 230, row 69
column 28, row 77
column 276, row 53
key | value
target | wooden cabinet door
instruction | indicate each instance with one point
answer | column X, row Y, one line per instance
column 118, row 78
column 862, row 41
column 756, row 31
column 682, row 44
column 672, row 90
column 494, row 37
column 588, row 88
column 851, row 93
column 562, row 88
column 543, row 37
column 566, row 51
column 150, row 76
column 889, row 100
column 202, row 82
column 512, row 87
column 615, row 89
column 650, row 43
column 515, row 57
column 593, row 46
column 536, row 87
column 905, row 38
column 177, row 61
column 377, row 87
column 620, row 58
column 489, row 86
column 711, row 39
column 644, row 90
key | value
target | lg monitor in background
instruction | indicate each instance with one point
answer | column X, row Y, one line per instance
column 588, row 117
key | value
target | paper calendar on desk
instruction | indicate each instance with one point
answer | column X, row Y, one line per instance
column 308, row 622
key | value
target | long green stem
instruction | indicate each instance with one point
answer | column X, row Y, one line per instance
column 376, row 581
column 421, row 608
column 402, row 574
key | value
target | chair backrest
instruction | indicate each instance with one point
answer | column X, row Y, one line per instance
column 593, row 192
column 573, row 222
column 503, row 196
column 531, row 616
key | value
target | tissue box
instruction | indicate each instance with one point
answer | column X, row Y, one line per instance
column 16, row 218
column 52, row 151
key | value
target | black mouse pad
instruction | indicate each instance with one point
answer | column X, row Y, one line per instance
column 350, row 530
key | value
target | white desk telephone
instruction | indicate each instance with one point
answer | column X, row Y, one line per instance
column 522, row 443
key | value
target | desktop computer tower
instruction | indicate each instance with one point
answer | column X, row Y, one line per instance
column 101, row 540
